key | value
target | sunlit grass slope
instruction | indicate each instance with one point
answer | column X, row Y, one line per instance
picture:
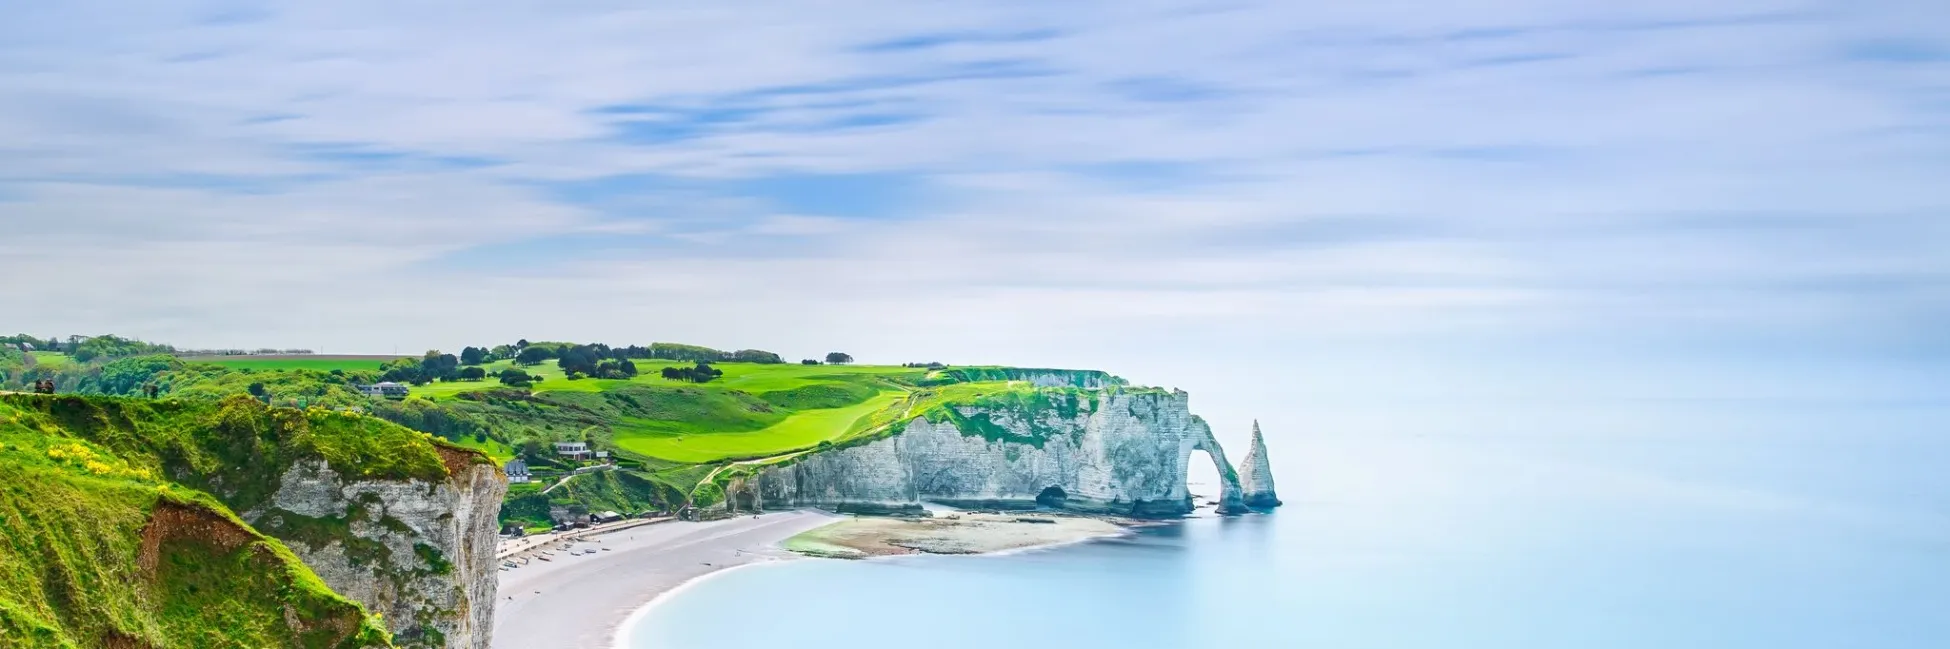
column 98, row 549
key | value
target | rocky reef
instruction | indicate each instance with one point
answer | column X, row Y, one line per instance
column 1256, row 479
column 1117, row 450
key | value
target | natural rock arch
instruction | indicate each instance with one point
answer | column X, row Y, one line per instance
column 1230, row 499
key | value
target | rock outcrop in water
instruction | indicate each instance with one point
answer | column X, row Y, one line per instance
column 1256, row 475
column 1114, row 451
column 420, row 553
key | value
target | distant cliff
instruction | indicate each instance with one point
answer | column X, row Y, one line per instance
column 1115, row 450
column 382, row 515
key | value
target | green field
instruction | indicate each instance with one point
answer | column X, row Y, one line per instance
column 53, row 360
column 320, row 363
column 754, row 410
column 800, row 430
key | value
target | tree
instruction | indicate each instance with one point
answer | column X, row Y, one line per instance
column 473, row 373
column 405, row 370
column 755, row 356
column 699, row 373
column 256, row 388
column 435, row 365
column 838, row 358
column 809, row 361
column 473, row 355
column 516, row 378
column 533, row 355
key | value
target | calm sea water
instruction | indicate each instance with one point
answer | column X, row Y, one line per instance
column 1635, row 525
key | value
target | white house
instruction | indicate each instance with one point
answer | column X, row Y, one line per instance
column 574, row 450
column 385, row 389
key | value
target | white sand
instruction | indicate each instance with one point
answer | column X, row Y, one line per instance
column 578, row 602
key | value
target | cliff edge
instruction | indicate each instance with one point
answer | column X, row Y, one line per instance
column 1116, row 450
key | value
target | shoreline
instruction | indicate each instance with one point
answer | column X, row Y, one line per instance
column 598, row 598
column 626, row 630
column 624, row 637
column 585, row 600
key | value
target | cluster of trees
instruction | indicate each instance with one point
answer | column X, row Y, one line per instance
column 87, row 348
column 523, row 352
column 32, row 343
column 701, row 372
column 594, row 361
column 516, row 377
column 430, row 367
column 838, row 358
column 932, row 365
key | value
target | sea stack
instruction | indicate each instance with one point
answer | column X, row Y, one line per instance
column 1256, row 475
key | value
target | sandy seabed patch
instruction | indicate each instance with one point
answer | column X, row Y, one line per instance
column 962, row 533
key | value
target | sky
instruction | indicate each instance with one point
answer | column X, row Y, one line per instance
column 1249, row 199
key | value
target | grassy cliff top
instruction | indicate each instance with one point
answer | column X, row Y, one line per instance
column 98, row 548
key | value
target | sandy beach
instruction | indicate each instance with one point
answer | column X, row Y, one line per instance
column 577, row 602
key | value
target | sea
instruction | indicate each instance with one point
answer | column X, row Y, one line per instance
column 1655, row 524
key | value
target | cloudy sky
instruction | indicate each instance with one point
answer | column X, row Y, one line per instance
column 1155, row 188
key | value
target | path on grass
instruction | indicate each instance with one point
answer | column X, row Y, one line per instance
column 907, row 394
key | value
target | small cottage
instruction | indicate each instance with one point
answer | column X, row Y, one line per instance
column 574, row 450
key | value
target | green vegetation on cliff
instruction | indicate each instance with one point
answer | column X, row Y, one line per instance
column 98, row 548
column 668, row 435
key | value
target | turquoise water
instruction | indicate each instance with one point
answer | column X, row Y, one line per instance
column 1635, row 525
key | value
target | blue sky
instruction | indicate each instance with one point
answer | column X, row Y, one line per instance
column 1010, row 181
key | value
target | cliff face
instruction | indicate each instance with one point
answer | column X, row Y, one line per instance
column 1118, row 451
column 419, row 552
column 1256, row 476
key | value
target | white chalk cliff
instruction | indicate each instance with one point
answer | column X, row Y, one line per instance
column 1256, row 475
column 419, row 553
column 1114, row 450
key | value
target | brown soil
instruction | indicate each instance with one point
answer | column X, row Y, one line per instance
column 172, row 521
column 460, row 460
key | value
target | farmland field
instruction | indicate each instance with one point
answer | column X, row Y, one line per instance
column 320, row 362
column 51, row 359
column 799, row 430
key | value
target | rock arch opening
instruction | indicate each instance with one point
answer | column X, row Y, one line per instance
column 1228, row 500
column 1053, row 498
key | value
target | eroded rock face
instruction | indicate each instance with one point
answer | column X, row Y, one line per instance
column 1126, row 452
column 420, row 553
column 1256, row 475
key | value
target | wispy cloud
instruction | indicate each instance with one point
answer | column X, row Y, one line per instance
column 1340, row 168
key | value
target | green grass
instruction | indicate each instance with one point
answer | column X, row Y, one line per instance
column 51, row 360
column 321, row 363
column 753, row 410
column 492, row 447
column 76, row 506
column 799, row 430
